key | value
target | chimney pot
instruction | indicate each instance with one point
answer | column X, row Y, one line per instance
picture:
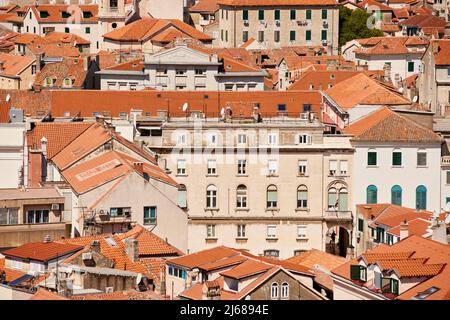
column 404, row 233
column 132, row 249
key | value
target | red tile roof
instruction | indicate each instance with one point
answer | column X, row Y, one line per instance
column 441, row 52
column 387, row 125
column 424, row 21
column 205, row 6
column 121, row 295
column 246, row 269
column 70, row 68
column 57, row 134
column 14, row 65
column 321, row 79
column 314, row 257
column 55, row 13
column 391, row 45
column 43, row 294
column 11, row 274
column 148, row 28
column 134, row 65
column 204, row 257
column 416, row 226
column 276, row 3
column 42, row 251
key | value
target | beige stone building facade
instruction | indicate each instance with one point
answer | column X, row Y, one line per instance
column 274, row 25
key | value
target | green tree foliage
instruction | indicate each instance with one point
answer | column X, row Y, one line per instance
column 353, row 25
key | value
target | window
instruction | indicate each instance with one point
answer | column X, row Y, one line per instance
column 301, row 231
column 421, row 158
column 244, row 36
column 9, row 216
column 448, row 71
column 37, row 216
column 272, row 139
column 421, row 198
column 271, row 253
column 281, row 108
column 212, row 139
column 242, row 138
column 372, row 193
column 67, row 82
column 181, row 139
column 285, row 290
column 324, row 35
column 66, row 30
column 88, row 30
column 212, row 167
column 260, row 14
column 120, row 212
column 389, row 285
column 272, row 167
column 241, row 196
column 293, row 14
column 358, row 272
column 272, row 196
column 199, row 72
column 343, row 167
column 306, row 107
column 371, row 158
column 113, row 4
column 396, row 195
column 308, row 35
column 411, row 66
column 242, row 167
column 181, row 167
column 377, row 281
column 180, row 71
column 149, row 215
column 276, row 36
column 182, row 196
column 302, row 197
column 271, row 231
column 226, row 35
column 245, row 14
column 448, row 178
column 210, row 230
column 308, row 14
column 274, row 291
column 177, row 272
column 425, row 294
column 332, row 198
column 333, row 167
column 241, row 230
column 229, row 87
column 396, row 158
column 277, row 14
column 324, row 14
column 360, row 224
column 343, row 199
column 260, row 36
column 302, row 167
column 211, row 196
column 292, row 35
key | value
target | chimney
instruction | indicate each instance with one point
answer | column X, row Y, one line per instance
column 439, row 231
column 44, row 146
column 132, row 249
column 2, row 66
column 95, row 246
column 211, row 290
column 47, row 239
column 139, row 167
column 27, row 122
column 404, row 230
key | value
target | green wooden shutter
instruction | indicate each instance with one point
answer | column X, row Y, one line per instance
column 355, row 272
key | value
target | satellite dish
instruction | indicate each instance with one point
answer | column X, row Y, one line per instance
column 185, row 106
column 222, row 112
column 415, row 99
column 8, row 97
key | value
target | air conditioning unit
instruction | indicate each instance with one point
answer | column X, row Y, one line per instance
column 277, row 22
column 302, row 22
column 304, row 116
column 109, row 289
column 262, row 22
column 86, row 256
column 359, row 234
column 246, row 22
column 324, row 42
column 332, row 172
column 325, row 24
column 55, row 206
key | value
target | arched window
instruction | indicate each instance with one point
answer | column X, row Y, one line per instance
column 274, row 291
column 421, row 198
column 182, row 196
column 272, row 196
column 48, row 82
column 332, row 198
column 211, row 196
column 372, row 193
column 285, row 290
column 396, row 195
column 302, row 197
column 343, row 199
column 241, row 196
column 67, row 82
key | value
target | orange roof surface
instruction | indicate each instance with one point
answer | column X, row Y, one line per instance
column 55, row 13
column 14, row 65
column 30, row 193
column 321, row 79
column 430, row 259
column 11, row 274
column 441, row 52
column 134, row 65
column 42, row 251
column 43, row 294
column 387, row 125
column 149, row 28
column 57, row 134
column 69, row 68
column 204, row 257
column 121, row 295
column 416, row 226
column 314, row 257
column 424, row 21
column 55, row 37
column 276, row 3
column 205, row 6
column 362, row 90
column 246, row 269
column 390, row 45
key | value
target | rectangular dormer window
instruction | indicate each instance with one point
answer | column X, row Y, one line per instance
column 358, row 272
column 43, row 14
column 390, row 285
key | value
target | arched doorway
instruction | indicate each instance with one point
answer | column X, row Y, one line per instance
column 337, row 241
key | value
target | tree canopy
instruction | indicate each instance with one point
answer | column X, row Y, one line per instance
column 353, row 25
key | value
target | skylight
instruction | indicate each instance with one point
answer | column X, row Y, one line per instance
column 425, row 294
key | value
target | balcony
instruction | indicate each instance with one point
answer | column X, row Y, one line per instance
column 338, row 215
column 445, row 161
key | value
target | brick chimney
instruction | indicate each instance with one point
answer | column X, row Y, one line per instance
column 132, row 249
column 211, row 290
column 47, row 239
column 95, row 246
column 404, row 230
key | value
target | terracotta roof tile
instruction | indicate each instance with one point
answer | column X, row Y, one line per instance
column 11, row 274
column 271, row 3
column 314, row 257
column 321, row 79
column 386, row 125
column 121, row 295
column 42, row 251
column 134, row 65
column 205, row 6
column 14, row 65
column 43, row 294
column 246, row 269
column 55, row 13
column 69, row 68
column 204, row 257
column 441, row 52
